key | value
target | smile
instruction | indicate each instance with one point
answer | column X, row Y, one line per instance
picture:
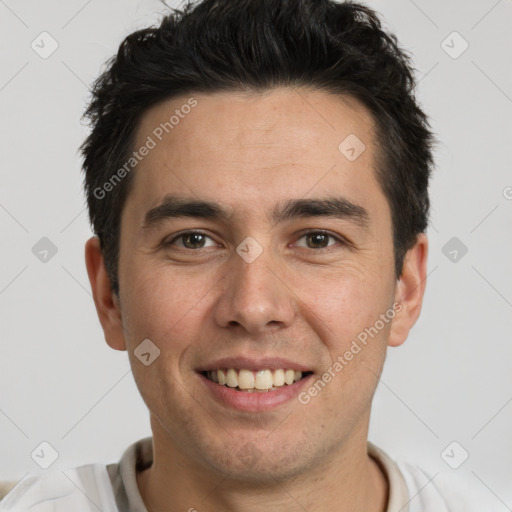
column 255, row 381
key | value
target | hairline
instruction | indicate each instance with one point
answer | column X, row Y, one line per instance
column 379, row 166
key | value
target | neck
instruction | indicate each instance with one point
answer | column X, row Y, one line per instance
column 343, row 481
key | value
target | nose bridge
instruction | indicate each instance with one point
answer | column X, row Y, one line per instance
column 254, row 297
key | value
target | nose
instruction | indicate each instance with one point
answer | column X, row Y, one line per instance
column 256, row 296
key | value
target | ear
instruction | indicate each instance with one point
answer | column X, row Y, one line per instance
column 106, row 302
column 409, row 291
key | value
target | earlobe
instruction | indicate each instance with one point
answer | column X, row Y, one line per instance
column 409, row 291
column 106, row 302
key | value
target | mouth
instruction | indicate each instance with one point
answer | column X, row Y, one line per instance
column 259, row 381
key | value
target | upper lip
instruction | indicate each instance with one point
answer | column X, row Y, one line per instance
column 266, row 363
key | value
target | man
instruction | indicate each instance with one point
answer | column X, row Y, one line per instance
column 257, row 178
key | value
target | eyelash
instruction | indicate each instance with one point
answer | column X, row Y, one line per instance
column 339, row 239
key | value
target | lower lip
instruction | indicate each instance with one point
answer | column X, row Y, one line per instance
column 256, row 401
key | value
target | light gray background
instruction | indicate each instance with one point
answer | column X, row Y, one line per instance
column 451, row 381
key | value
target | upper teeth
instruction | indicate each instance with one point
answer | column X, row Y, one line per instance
column 247, row 379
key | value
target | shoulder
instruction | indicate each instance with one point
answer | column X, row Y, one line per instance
column 85, row 488
column 444, row 491
column 412, row 489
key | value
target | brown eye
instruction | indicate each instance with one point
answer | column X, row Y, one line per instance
column 318, row 239
column 191, row 240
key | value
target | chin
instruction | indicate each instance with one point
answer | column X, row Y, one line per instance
column 259, row 463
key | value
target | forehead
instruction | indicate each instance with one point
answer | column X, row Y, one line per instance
column 242, row 119
column 246, row 149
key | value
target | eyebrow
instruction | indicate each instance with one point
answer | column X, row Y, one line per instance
column 338, row 207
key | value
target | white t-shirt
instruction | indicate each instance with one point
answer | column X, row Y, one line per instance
column 113, row 487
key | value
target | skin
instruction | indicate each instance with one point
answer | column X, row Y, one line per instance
column 249, row 152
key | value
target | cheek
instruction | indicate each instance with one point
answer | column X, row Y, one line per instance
column 155, row 306
column 348, row 320
column 165, row 313
column 346, row 304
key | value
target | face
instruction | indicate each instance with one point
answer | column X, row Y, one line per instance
column 284, row 269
